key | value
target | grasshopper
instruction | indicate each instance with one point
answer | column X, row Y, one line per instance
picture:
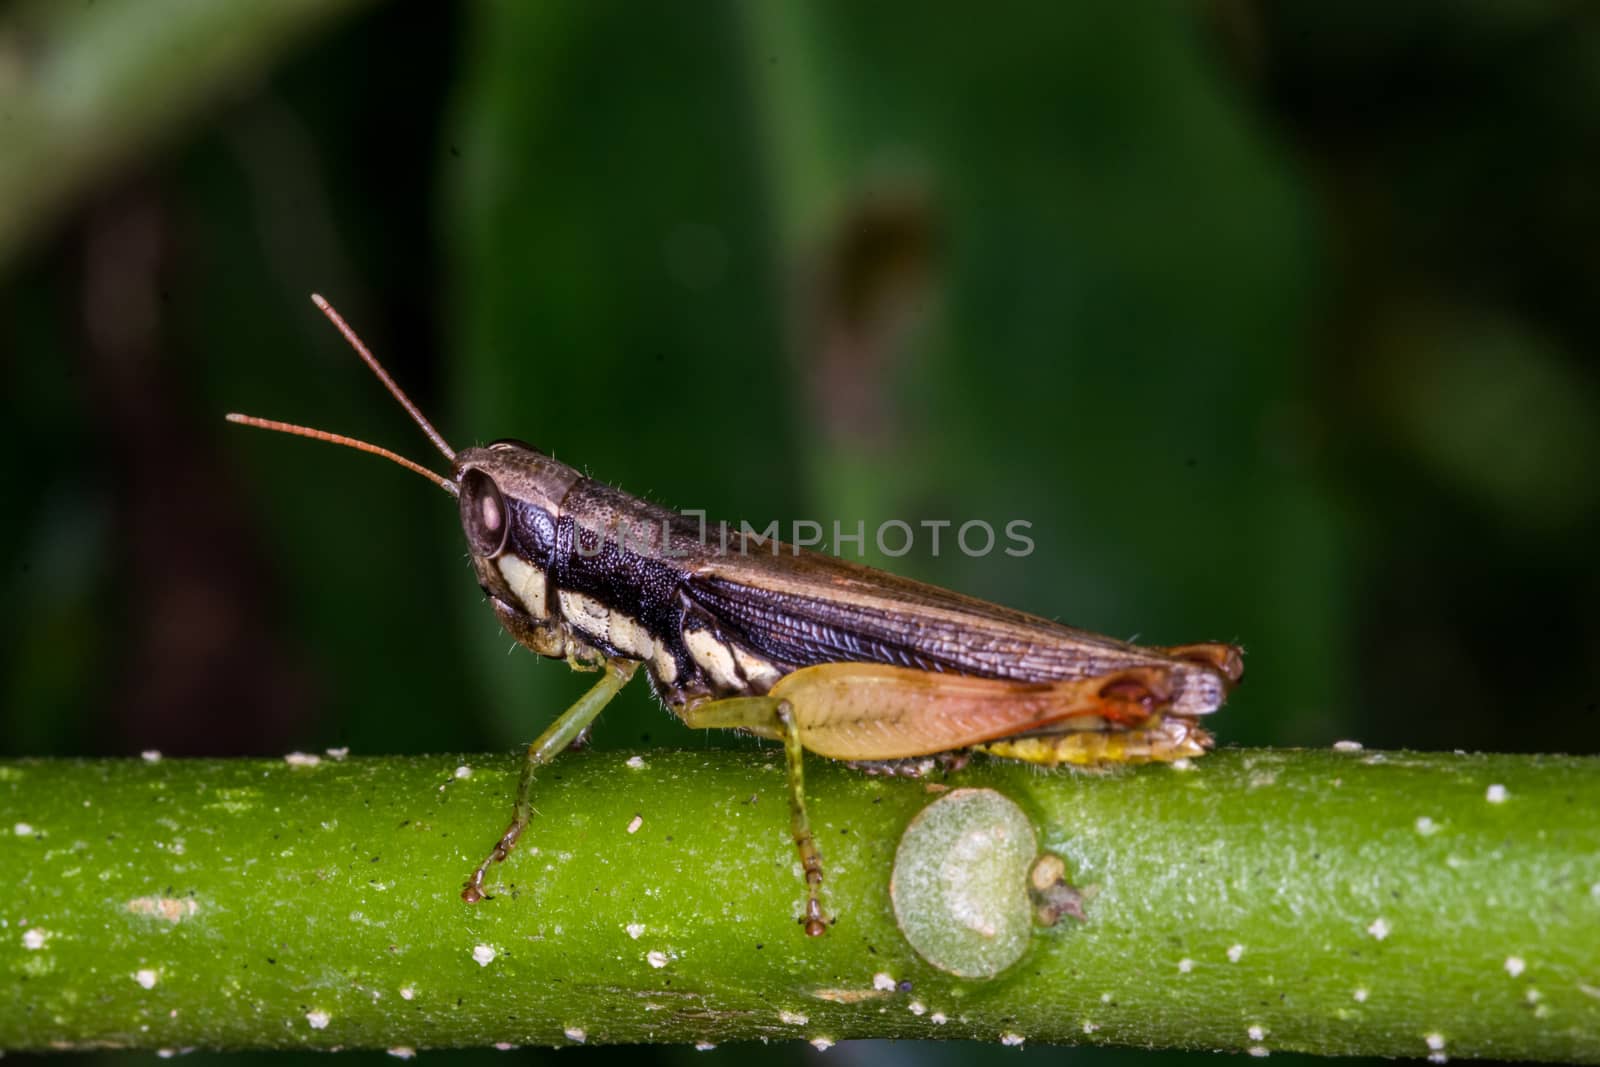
column 823, row 655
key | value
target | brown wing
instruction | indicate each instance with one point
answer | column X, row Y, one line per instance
column 809, row 608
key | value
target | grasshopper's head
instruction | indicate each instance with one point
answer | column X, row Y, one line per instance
column 510, row 496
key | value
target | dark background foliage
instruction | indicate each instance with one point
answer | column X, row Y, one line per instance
column 1276, row 322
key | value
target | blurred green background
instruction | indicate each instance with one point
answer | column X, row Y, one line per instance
column 1276, row 322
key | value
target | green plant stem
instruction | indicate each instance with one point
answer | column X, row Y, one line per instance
column 1341, row 903
column 83, row 86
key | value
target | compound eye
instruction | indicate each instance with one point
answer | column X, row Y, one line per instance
column 483, row 514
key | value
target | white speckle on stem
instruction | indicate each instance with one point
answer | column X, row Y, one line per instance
column 882, row 980
column 463, row 771
column 704, row 1046
column 916, row 1007
column 22, row 829
column 484, row 954
column 576, row 1034
column 1515, row 966
column 147, row 977
column 1435, row 1042
column 403, row 1052
column 1496, row 794
column 1257, row 1033
column 407, row 992
column 1235, row 952
column 1360, row 996
column 151, row 755
column 1379, row 928
column 938, row 1018
column 656, row 958
column 1533, row 996
column 634, row 824
column 822, row 1044
column 34, row 938
column 1260, row 1052
column 793, row 1018
column 172, row 909
column 1185, row 965
column 634, row 763
column 342, row 753
column 318, row 1020
column 635, row 930
column 1181, row 765
column 1347, row 746
column 1426, row 826
column 1090, row 1027
column 1012, row 1040
column 302, row 759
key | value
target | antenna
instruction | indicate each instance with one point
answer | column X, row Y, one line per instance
column 371, row 361
column 348, row 442
column 383, row 376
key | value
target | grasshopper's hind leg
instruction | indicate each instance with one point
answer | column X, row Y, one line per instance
column 870, row 712
column 774, row 718
column 570, row 725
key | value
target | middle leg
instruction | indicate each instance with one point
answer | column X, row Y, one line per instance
column 774, row 718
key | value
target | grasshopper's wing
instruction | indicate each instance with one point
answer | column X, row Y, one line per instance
column 806, row 609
